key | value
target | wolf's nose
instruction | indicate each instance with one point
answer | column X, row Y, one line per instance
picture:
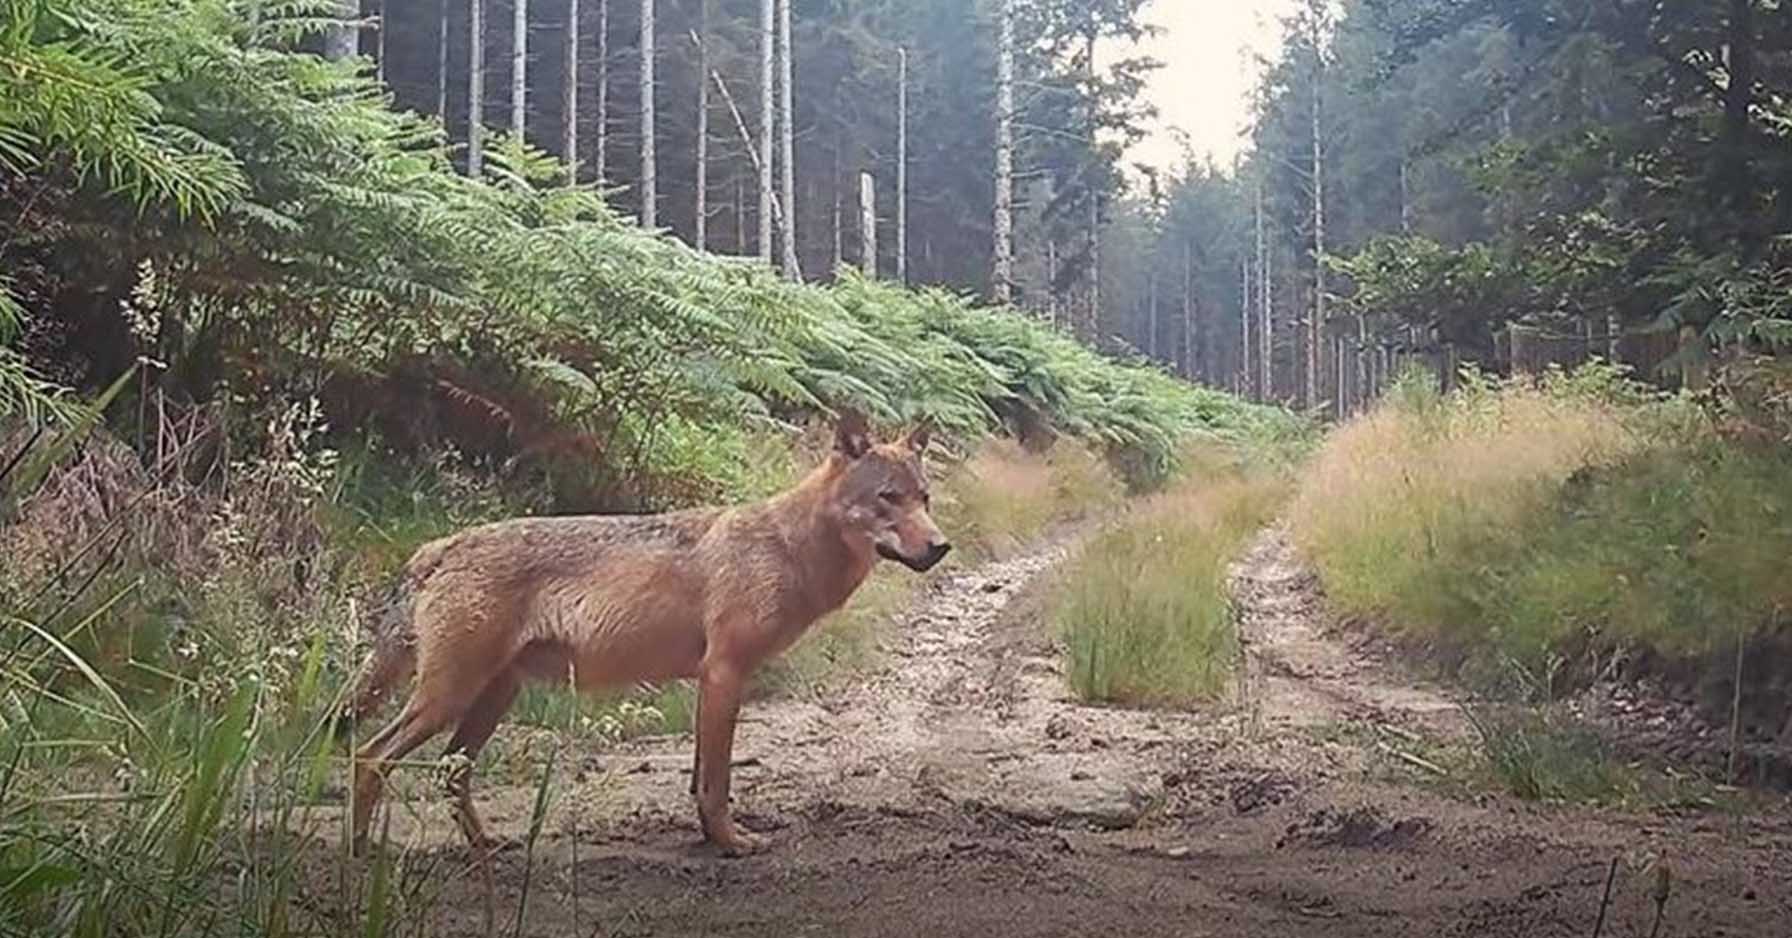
column 935, row 552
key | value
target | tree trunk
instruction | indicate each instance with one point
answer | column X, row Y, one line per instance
column 649, row 184
column 768, row 19
column 519, row 68
column 1361, row 377
column 1002, row 277
column 1405, row 201
column 1247, row 376
column 839, row 200
column 1260, row 378
column 787, row 144
column 1191, row 349
column 1151, row 315
column 868, row 224
column 598, row 158
column 475, row 87
column 569, row 142
column 1093, row 326
column 1340, row 392
column 442, row 59
column 1739, row 61
column 702, row 210
column 379, row 44
column 901, row 166
column 740, row 217
column 1317, row 327
column 341, row 40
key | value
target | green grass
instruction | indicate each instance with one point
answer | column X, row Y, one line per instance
column 1143, row 610
column 1539, row 756
column 1553, row 525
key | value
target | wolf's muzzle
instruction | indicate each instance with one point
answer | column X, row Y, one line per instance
column 927, row 561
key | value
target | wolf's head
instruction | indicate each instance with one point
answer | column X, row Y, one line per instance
column 879, row 493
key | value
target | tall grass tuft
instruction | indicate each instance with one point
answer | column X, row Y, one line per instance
column 1143, row 610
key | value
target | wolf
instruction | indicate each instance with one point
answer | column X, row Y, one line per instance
column 708, row 594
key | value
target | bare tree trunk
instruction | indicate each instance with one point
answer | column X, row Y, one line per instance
column 1051, row 279
column 442, row 59
column 1317, row 326
column 1266, row 328
column 649, row 164
column 768, row 19
column 702, row 211
column 1361, row 377
column 1151, row 316
column 599, row 158
column 787, row 143
column 341, row 40
column 839, row 215
column 740, row 217
column 1735, row 175
column 901, row 166
column 519, row 68
column 1191, row 358
column 868, row 224
column 379, row 44
column 1002, row 277
column 569, row 143
column 475, row 87
column 1341, row 374
column 1247, row 375
column 1262, row 258
column 1405, row 200
column 746, row 139
column 1094, row 324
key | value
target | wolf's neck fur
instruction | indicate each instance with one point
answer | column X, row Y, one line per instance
column 833, row 564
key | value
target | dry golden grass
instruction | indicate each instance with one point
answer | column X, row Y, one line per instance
column 1395, row 499
column 1004, row 497
column 1552, row 525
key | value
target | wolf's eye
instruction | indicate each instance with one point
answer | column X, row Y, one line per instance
column 890, row 496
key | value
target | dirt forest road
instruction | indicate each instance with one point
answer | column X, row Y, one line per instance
column 960, row 790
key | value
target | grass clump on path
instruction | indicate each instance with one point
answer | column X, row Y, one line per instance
column 1143, row 610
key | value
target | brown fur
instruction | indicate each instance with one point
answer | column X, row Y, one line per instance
column 709, row 594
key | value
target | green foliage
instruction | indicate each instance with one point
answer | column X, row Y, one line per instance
column 66, row 96
column 530, row 311
column 1551, row 524
column 1592, row 164
column 1539, row 755
column 1143, row 609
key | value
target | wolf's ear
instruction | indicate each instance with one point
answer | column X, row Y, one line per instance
column 918, row 438
column 852, row 434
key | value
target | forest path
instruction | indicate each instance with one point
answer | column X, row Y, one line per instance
column 959, row 789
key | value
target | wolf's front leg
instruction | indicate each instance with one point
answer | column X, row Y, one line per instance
column 718, row 705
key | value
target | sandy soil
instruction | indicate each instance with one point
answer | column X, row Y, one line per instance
column 959, row 790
